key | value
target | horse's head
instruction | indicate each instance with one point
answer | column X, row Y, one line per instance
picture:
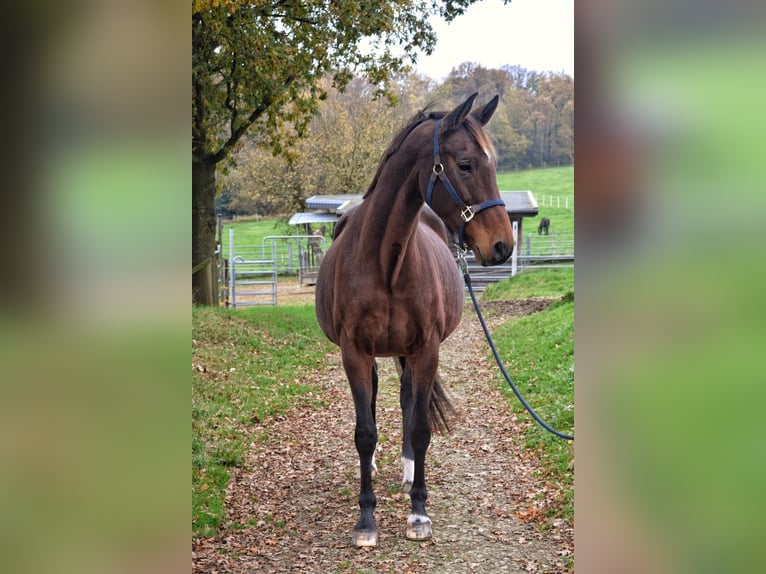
column 461, row 185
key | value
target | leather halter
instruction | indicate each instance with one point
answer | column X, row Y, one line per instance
column 467, row 212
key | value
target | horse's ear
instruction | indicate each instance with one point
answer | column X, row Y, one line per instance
column 484, row 113
column 457, row 116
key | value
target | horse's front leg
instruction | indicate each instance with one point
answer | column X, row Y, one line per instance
column 373, row 466
column 359, row 370
column 405, row 402
column 423, row 375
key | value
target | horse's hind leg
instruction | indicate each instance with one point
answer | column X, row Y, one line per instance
column 361, row 373
column 374, row 376
column 405, row 402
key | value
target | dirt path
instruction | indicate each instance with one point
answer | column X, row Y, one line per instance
column 292, row 506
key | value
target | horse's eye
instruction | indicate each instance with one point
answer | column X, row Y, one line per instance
column 464, row 166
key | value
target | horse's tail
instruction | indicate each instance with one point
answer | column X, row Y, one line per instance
column 440, row 410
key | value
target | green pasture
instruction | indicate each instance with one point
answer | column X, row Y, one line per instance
column 552, row 181
column 543, row 283
column 244, row 369
column 538, row 353
column 252, row 232
column 562, row 221
column 556, row 181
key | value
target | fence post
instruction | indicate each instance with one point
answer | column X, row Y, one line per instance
column 232, row 265
column 515, row 225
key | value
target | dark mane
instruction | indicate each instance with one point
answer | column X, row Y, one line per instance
column 474, row 128
column 399, row 138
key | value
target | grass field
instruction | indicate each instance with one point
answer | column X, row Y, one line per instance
column 554, row 181
column 244, row 368
column 543, row 283
column 538, row 352
column 251, row 233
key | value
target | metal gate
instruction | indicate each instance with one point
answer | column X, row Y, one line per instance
column 252, row 280
column 299, row 254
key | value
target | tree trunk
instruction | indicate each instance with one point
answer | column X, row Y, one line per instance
column 204, row 279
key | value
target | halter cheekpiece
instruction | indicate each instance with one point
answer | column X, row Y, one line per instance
column 467, row 212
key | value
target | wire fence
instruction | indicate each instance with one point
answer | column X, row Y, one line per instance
column 248, row 274
column 535, row 252
column 553, row 245
column 565, row 202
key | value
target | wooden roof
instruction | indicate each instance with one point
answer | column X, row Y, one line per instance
column 517, row 203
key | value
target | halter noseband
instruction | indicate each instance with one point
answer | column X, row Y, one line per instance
column 467, row 212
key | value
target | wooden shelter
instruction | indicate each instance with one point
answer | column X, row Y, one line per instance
column 328, row 208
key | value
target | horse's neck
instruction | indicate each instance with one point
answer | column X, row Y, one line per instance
column 393, row 215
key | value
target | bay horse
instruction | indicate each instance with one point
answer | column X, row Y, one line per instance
column 545, row 223
column 389, row 285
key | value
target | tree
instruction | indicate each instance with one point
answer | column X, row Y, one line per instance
column 510, row 143
column 550, row 122
column 558, row 89
column 339, row 153
column 257, row 67
column 469, row 78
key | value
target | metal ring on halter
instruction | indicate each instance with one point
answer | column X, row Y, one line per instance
column 438, row 168
column 461, row 252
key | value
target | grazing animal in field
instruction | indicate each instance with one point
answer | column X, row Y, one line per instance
column 545, row 223
column 389, row 285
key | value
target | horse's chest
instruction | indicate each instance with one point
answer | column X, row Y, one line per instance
column 395, row 329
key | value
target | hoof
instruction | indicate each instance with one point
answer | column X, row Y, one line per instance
column 418, row 528
column 364, row 538
column 406, row 487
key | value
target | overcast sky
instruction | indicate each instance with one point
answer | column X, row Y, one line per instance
column 535, row 34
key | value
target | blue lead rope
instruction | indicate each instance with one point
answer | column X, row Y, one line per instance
column 541, row 422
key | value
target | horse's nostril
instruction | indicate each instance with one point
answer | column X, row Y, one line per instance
column 502, row 251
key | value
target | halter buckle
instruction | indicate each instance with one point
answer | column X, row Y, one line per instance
column 467, row 214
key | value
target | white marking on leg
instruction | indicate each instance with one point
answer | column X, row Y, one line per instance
column 373, row 466
column 408, row 466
